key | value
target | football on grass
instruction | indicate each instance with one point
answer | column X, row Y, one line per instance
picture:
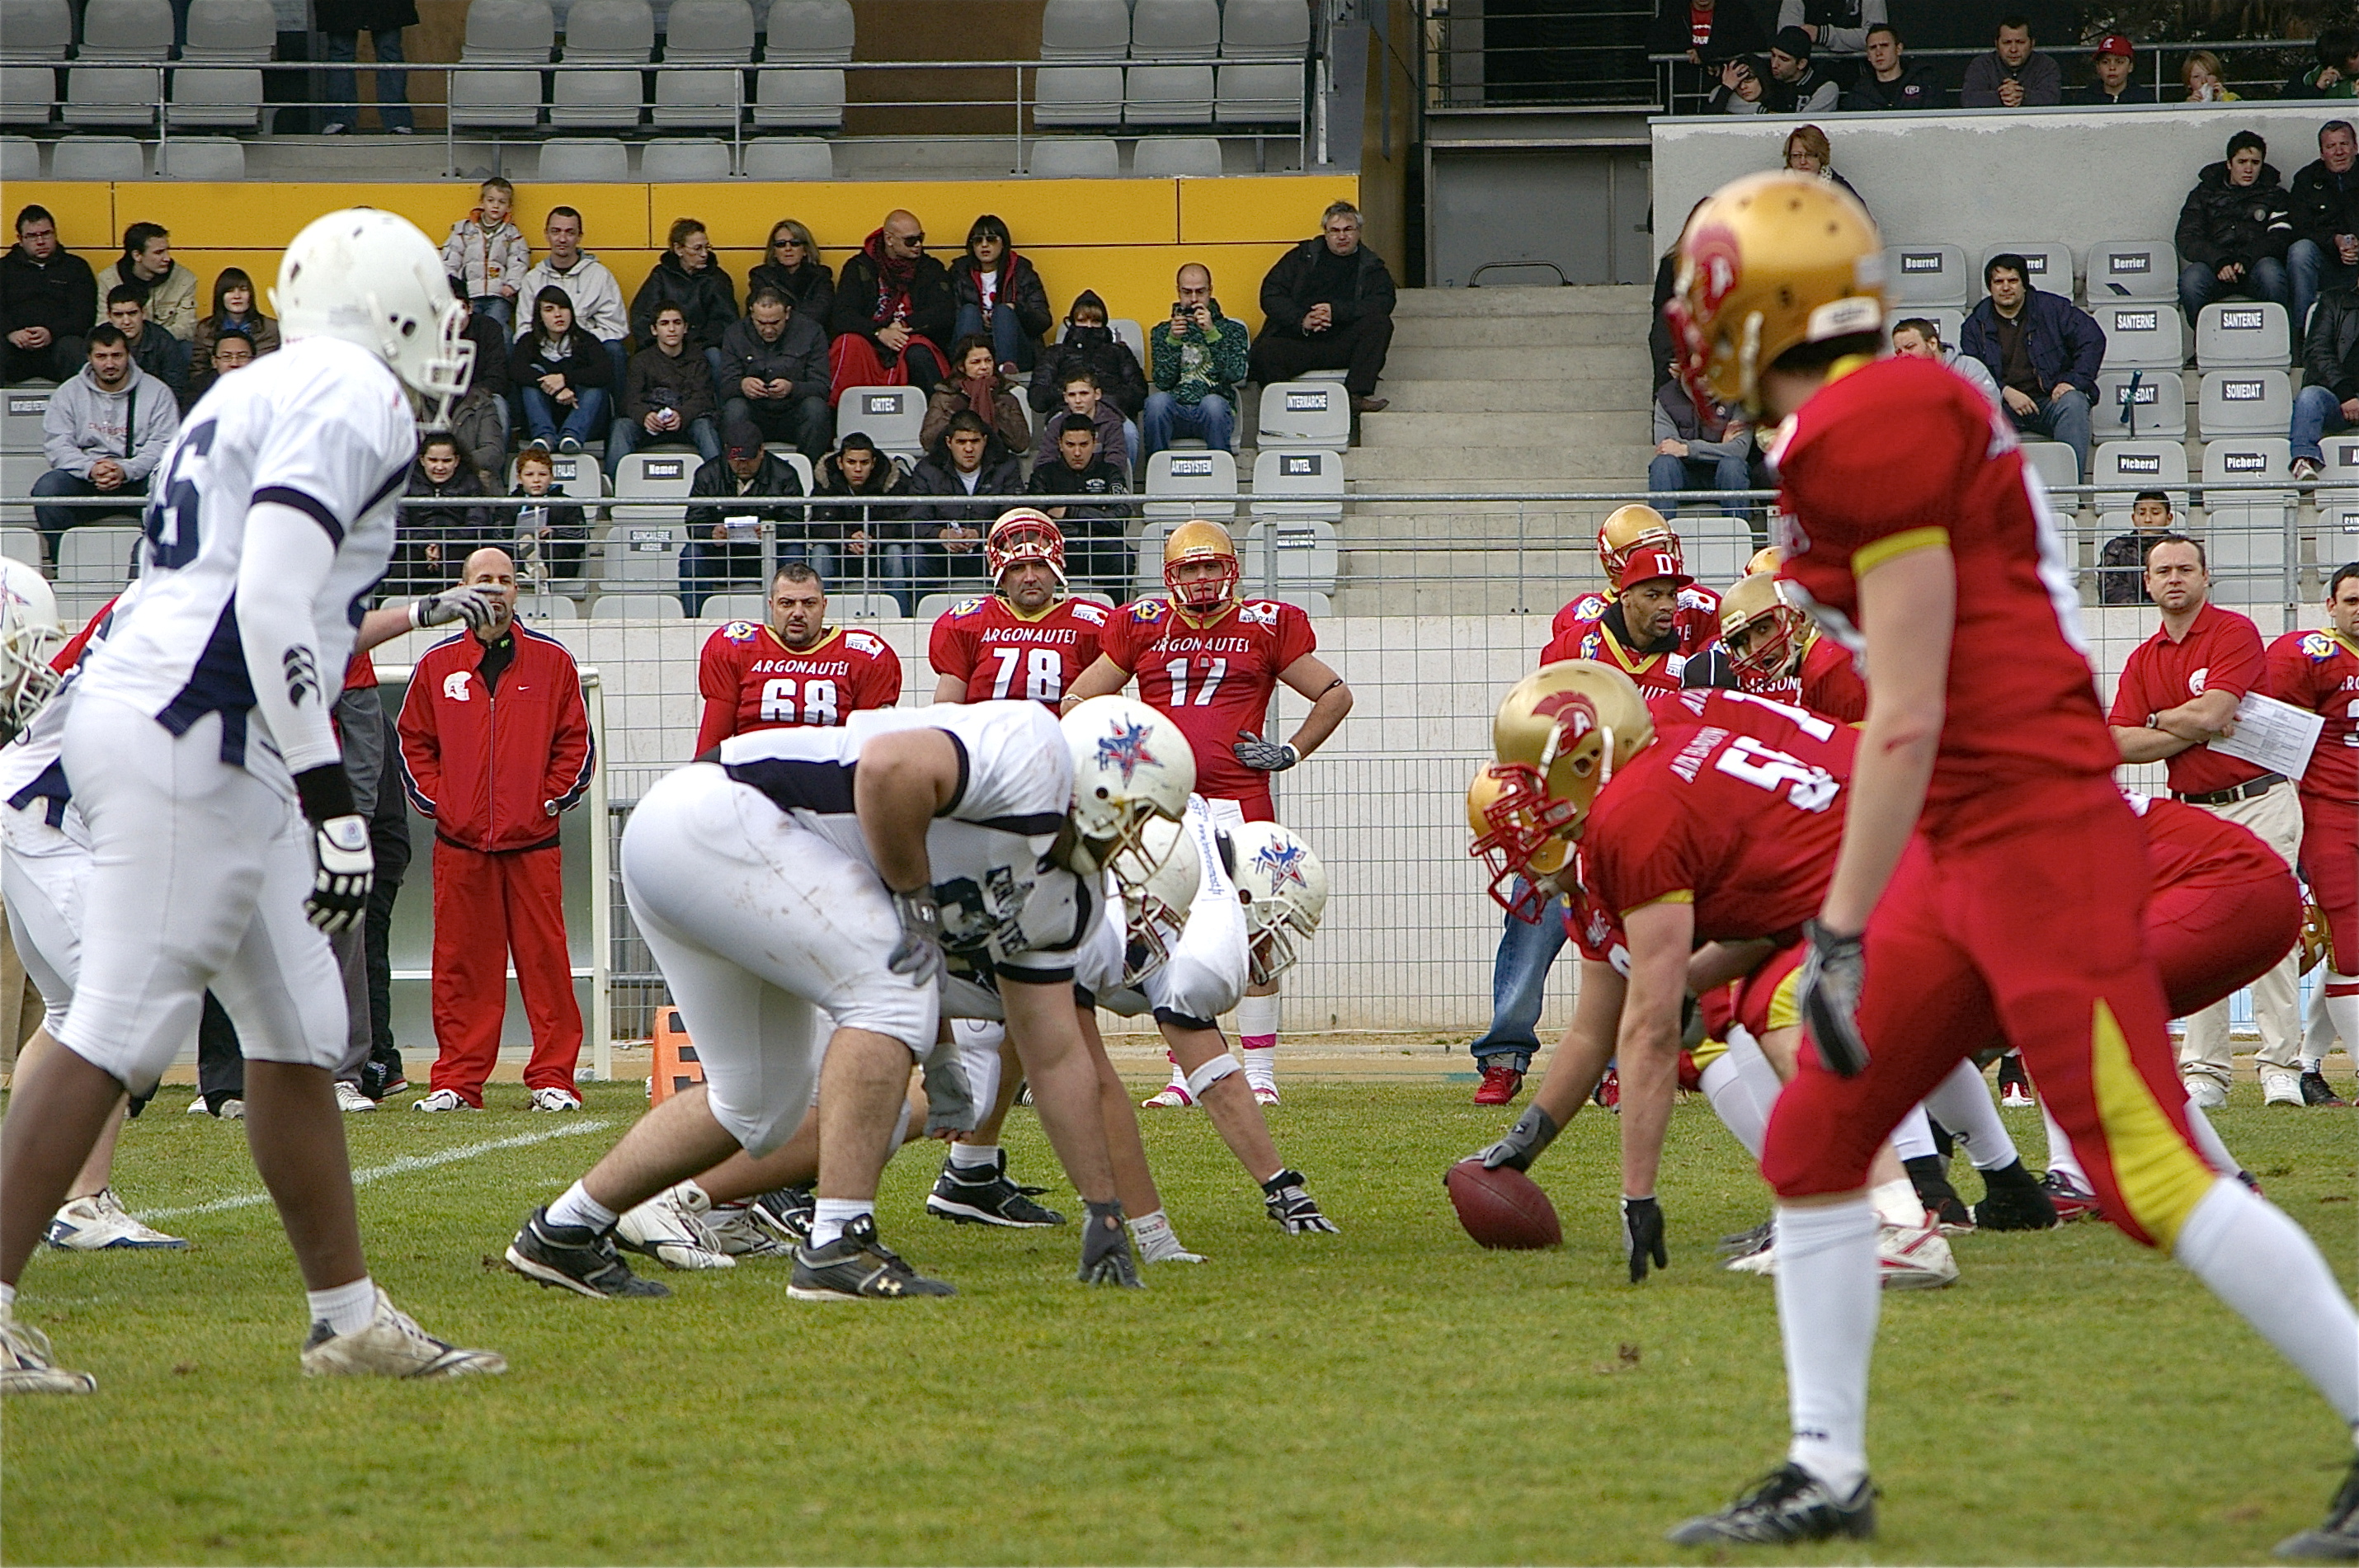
column 1502, row 1208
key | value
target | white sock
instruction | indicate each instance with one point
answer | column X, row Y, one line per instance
column 345, row 1309
column 1742, row 1087
column 974, row 1155
column 1896, row 1203
column 2317, row 1034
column 2343, row 1008
column 2059, row 1148
column 1257, row 1039
column 2207, row 1142
column 1962, row 1102
column 1179, row 1079
column 1828, row 1297
column 2267, row 1269
column 7, row 1301
column 1261, row 1065
column 578, row 1207
column 1158, row 1242
column 829, row 1215
column 1913, row 1139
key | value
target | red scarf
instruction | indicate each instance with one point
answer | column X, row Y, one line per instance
column 894, row 276
column 981, row 396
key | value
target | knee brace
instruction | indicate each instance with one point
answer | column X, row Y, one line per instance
column 1211, row 1073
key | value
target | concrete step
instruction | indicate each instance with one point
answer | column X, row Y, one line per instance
column 1607, row 465
column 1522, row 304
column 1581, row 394
column 1432, row 432
column 1624, row 362
column 1536, row 596
column 1526, row 332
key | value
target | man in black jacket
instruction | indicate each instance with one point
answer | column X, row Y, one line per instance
column 2328, row 402
column 1889, row 80
column 2325, row 249
column 724, row 540
column 48, row 298
column 1092, row 528
column 1328, row 305
column 892, row 313
column 949, row 530
column 2234, row 230
column 773, row 372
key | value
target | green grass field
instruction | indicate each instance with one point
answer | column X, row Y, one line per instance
column 1392, row 1394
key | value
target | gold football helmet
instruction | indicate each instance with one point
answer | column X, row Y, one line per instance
column 1767, row 559
column 1198, row 540
column 2317, row 943
column 1628, row 530
column 1513, row 844
column 1763, row 635
column 1771, row 262
column 1559, row 736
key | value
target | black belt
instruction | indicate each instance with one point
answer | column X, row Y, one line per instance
column 2261, row 786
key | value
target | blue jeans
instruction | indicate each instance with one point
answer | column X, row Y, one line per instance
column 2314, row 270
column 1165, row 418
column 585, row 421
column 1669, row 475
column 629, row 436
column 2200, row 284
column 2063, row 418
column 54, row 521
column 498, row 306
column 392, row 86
column 2317, row 413
column 1518, row 983
column 1007, row 335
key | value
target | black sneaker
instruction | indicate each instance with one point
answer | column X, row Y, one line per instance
column 970, row 1196
column 785, row 1214
column 1105, row 1249
column 1930, row 1175
column 856, row 1266
column 1746, row 1243
column 575, row 1257
column 1788, row 1505
column 1291, row 1205
column 2336, row 1538
column 2014, row 1200
column 2317, row 1090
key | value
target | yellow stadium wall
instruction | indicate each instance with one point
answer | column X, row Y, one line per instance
column 1123, row 238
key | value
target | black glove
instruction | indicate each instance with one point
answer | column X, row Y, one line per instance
column 918, row 953
column 1828, row 996
column 1642, row 1233
column 473, row 605
column 1533, row 1132
column 1268, row 756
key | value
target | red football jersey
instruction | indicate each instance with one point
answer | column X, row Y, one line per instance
column 1901, row 454
column 2320, row 670
column 1737, row 808
column 1214, row 678
column 751, row 681
column 1579, row 632
column 1001, row 653
column 1828, row 682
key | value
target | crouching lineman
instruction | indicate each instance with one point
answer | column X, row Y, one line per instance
column 1774, row 652
column 829, row 870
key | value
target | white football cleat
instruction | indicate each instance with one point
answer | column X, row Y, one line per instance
column 2280, row 1086
column 2206, row 1093
column 732, row 1226
column 668, row 1228
column 392, row 1345
column 27, row 1364
column 99, row 1224
column 1170, row 1097
column 349, row 1100
column 198, row 1107
column 1763, row 1262
column 1914, row 1258
column 1265, row 1093
column 555, row 1100
column 443, row 1100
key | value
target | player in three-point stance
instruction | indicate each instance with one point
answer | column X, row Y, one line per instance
column 224, row 839
column 1990, row 876
column 1210, row 660
column 1774, row 652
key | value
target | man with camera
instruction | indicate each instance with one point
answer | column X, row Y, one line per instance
column 1195, row 361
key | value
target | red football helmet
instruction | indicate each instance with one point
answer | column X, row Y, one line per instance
column 1024, row 534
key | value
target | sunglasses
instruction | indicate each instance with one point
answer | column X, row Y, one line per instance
column 915, row 242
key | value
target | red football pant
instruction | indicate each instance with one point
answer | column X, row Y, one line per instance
column 2210, row 938
column 2329, row 860
column 2027, row 923
column 486, row 907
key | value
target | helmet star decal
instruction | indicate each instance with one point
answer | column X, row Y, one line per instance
column 1126, row 747
column 1282, row 863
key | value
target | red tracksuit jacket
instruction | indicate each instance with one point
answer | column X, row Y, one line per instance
column 493, row 763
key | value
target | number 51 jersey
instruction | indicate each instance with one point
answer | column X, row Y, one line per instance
column 320, row 426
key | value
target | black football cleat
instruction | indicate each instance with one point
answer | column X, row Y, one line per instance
column 2317, row 1090
column 856, row 1266
column 983, row 1195
column 2013, row 1199
column 1786, row 1506
column 2334, row 1539
column 575, row 1257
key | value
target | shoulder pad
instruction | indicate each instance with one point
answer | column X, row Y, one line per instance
column 741, row 631
column 1089, row 610
column 2318, row 645
column 865, row 642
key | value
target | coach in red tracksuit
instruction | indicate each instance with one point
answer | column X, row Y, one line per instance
column 495, row 744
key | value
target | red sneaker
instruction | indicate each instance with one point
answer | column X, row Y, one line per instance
column 1608, row 1093
column 1501, row 1085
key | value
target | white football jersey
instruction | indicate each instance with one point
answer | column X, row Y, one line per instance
column 31, row 770
column 320, row 426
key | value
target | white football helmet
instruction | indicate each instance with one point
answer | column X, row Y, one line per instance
column 29, row 637
column 371, row 279
column 1157, row 899
column 1130, row 765
column 1284, row 892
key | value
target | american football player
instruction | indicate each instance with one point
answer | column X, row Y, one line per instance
column 793, row 668
column 2320, row 670
column 1775, row 652
column 1026, row 640
column 1984, row 838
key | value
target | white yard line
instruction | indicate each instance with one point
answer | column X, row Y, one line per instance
column 401, row 1167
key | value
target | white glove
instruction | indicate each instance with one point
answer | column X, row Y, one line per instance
column 473, row 605
column 345, row 869
column 918, row 953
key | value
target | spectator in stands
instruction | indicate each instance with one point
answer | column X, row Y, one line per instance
column 169, row 287
column 1706, row 449
column 949, row 530
column 1707, row 32
column 687, row 276
column 2336, row 72
column 1093, row 532
column 2041, row 349
column 2328, row 403
column 892, row 312
column 47, row 301
column 1919, row 337
column 1890, row 81
column 873, row 542
column 482, row 419
column 564, row 373
column 2325, row 249
column 999, row 295
column 556, row 535
column 104, row 431
column 1660, row 347
column 343, row 21
column 1787, row 83
column 1328, row 305
column 1082, row 396
column 486, row 255
column 2011, row 76
column 2121, row 562
column 725, row 516
column 1199, row 356
column 2114, row 62
column 1089, row 343
column 774, row 369
column 596, row 294
column 159, row 354
column 2206, row 80
column 432, row 541
column 790, row 264
column 666, row 395
column 2234, row 230
column 975, row 386
column 233, row 311
column 1809, row 152
column 1833, row 27
column 231, row 351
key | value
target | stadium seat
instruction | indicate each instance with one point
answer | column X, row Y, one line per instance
column 610, row 32
column 1146, row 548
column 1184, row 484
column 2240, row 332
column 219, row 159
column 1259, row 94
column 1929, row 275
column 651, row 606
column 934, row 607
column 591, row 159
column 1166, row 157
column 97, row 158
column 1074, row 158
column 620, row 33
column 2048, row 266
column 2244, row 403
column 230, row 31
column 21, row 544
column 2160, row 405
column 1297, row 555
column 2254, row 465
column 1077, row 95
column 678, row 160
column 736, row 607
column 2146, row 335
column 34, row 35
column 1168, row 95
column 231, row 98
column 127, row 29
column 548, row 605
column 17, row 471
column 2133, row 270
column 2247, row 551
column 1715, row 547
column 2129, row 467
column 20, row 426
column 100, row 95
column 95, row 557
column 709, row 32
column 645, row 476
column 1132, row 335
column 2341, row 460
column 1305, row 414
column 508, row 32
column 495, row 99
column 863, row 607
column 789, row 158
column 786, row 454
column 812, row 32
column 643, row 554
column 1948, row 320
column 20, row 159
column 2338, row 525
column 1275, row 30
column 889, row 415
column 1175, row 29
column 574, row 475
column 29, row 96
column 594, row 99
column 1299, row 484
column 696, row 100
column 808, row 98
column 2056, row 465
column 1085, row 29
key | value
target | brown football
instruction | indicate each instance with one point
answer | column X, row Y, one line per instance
column 1502, row 1208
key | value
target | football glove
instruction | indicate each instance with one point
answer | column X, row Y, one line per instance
column 1267, row 755
column 918, row 953
column 473, row 605
column 343, row 870
column 1828, row 996
column 1290, row 1205
column 950, row 1100
column 1533, row 1132
column 1642, row 1235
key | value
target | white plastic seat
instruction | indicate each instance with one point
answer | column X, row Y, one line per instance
column 643, row 554
column 1074, row 158
column 1166, row 157
column 97, row 557
column 572, row 474
column 1295, row 555
column 509, row 31
column 2142, row 335
column 20, row 425
column 21, row 544
column 591, row 159
column 1305, row 414
column 1175, row 29
column 2244, row 403
column 1264, row 30
column 1077, row 95
column 20, row 159
column 1085, row 29
column 2338, row 524
column 610, row 32
column 709, row 32
column 2161, row 405
column 495, row 99
column 29, row 96
column 2129, row 467
column 696, row 100
column 1928, row 275
column 735, row 607
column 217, row 159
column 105, row 95
column 1715, row 547
column 549, row 605
column 595, row 100
column 1191, row 483
column 817, row 32
column 127, row 29
column 35, row 30
column 1297, row 484
column 2238, row 332
column 889, row 415
column 863, row 607
column 96, row 158
column 230, row 31
column 2342, row 467
column 934, row 607
column 2133, row 270
column 1131, row 335
column 2054, row 463
column 2248, row 471
column 1168, row 95
column 1258, row 93
column 650, row 476
column 636, row 606
column 805, row 98
column 2047, row 264
column 789, row 158
column 662, row 162
column 18, row 470
column 229, row 98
